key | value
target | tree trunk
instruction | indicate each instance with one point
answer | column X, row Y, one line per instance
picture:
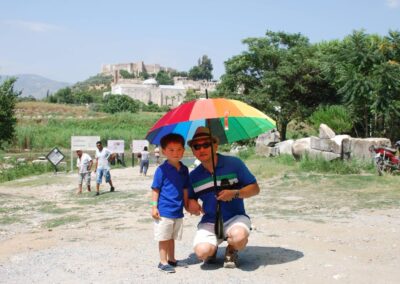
column 282, row 127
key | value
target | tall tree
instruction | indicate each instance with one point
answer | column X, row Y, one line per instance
column 8, row 99
column 280, row 75
column 366, row 73
column 203, row 70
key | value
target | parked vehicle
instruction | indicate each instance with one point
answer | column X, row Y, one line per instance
column 385, row 158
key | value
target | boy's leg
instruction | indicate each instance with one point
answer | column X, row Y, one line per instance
column 163, row 247
column 171, row 251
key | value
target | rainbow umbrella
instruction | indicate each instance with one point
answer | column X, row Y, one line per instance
column 229, row 120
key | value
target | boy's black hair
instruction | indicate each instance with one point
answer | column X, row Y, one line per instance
column 172, row 137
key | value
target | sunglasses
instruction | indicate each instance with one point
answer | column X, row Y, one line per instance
column 204, row 145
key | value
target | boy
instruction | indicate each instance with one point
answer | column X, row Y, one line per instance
column 169, row 196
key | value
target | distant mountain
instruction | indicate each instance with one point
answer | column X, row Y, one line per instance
column 35, row 85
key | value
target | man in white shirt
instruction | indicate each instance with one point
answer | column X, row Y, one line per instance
column 103, row 158
column 84, row 164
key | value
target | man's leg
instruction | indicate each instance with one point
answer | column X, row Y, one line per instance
column 205, row 242
column 237, row 232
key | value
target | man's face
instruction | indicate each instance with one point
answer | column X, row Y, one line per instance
column 79, row 153
column 99, row 146
column 202, row 149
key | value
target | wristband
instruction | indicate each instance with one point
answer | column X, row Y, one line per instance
column 237, row 194
column 154, row 203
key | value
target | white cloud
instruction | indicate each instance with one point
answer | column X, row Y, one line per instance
column 393, row 3
column 37, row 27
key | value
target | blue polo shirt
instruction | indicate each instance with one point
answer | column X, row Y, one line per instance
column 228, row 169
column 170, row 182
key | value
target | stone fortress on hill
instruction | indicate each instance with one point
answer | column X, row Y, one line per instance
column 149, row 90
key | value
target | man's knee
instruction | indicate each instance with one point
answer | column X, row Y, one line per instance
column 238, row 237
column 204, row 250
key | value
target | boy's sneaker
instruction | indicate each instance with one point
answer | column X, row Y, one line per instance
column 112, row 189
column 231, row 258
column 178, row 263
column 166, row 268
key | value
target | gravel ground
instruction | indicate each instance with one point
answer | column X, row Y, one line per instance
column 109, row 239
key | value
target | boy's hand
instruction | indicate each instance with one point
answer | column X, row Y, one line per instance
column 194, row 207
column 155, row 213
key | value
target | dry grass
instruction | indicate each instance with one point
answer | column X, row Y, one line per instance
column 43, row 109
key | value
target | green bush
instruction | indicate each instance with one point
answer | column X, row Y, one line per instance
column 336, row 117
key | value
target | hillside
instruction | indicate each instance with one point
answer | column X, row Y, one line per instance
column 35, row 85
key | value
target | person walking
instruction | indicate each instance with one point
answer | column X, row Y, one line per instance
column 103, row 158
column 84, row 164
column 235, row 183
column 144, row 161
column 157, row 155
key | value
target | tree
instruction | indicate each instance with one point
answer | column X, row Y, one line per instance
column 8, row 99
column 163, row 78
column 120, row 103
column 126, row 75
column 280, row 75
column 203, row 70
column 365, row 71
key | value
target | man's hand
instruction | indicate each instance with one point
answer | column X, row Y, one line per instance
column 226, row 195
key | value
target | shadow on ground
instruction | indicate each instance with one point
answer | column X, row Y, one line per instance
column 253, row 257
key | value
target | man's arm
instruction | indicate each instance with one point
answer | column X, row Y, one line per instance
column 245, row 192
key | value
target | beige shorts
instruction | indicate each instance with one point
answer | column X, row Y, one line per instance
column 205, row 231
column 168, row 229
column 84, row 177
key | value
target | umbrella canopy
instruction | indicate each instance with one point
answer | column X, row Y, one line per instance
column 229, row 120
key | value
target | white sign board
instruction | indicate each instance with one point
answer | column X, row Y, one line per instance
column 116, row 146
column 84, row 142
column 55, row 156
column 138, row 145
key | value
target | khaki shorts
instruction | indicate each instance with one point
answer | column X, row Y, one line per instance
column 84, row 177
column 206, row 234
column 168, row 229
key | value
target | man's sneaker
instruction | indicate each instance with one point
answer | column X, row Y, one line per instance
column 112, row 189
column 231, row 258
column 97, row 193
column 178, row 263
column 212, row 259
column 166, row 268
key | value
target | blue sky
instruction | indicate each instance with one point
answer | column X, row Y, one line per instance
column 70, row 40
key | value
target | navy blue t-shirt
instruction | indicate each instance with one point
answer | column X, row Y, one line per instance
column 171, row 182
column 230, row 169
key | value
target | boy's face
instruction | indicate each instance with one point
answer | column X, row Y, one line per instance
column 174, row 152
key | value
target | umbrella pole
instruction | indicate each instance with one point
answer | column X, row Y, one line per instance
column 219, row 224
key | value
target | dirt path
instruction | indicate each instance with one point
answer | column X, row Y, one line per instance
column 49, row 235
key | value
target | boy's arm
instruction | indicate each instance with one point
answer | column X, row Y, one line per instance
column 186, row 199
column 154, row 203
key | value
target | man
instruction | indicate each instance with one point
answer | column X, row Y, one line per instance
column 239, row 183
column 84, row 164
column 103, row 158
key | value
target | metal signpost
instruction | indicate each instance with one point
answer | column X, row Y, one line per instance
column 55, row 157
column 84, row 143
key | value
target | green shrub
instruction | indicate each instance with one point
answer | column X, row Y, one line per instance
column 336, row 117
column 341, row 167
